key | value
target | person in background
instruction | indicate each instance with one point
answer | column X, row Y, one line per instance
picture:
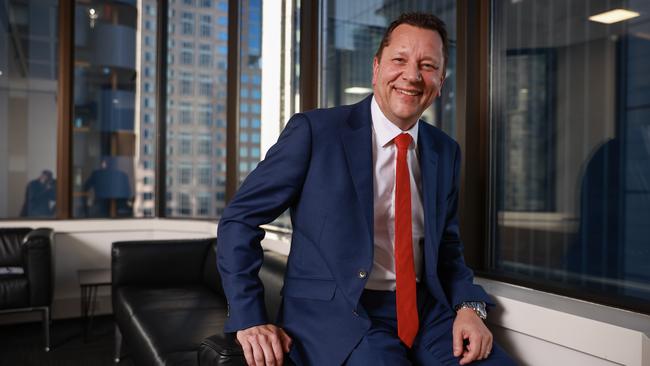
column 40, row 196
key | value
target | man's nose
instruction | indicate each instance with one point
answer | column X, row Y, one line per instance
column 412, row 73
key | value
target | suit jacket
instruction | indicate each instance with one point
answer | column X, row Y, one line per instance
column 321, row 169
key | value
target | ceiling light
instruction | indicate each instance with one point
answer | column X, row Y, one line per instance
column 614, row 16
column 0, row 72
column 358, row 90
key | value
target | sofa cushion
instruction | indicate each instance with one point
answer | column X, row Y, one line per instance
column 10, row 242
column 163, row 336
column 133, row 299
column 14, row 291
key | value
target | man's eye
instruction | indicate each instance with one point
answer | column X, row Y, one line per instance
column 398, row 60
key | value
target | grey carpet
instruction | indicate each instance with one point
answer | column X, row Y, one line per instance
column 22, row 344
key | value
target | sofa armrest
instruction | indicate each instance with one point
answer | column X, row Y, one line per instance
column 37, row 254
column 221, row 350
column 159, row 262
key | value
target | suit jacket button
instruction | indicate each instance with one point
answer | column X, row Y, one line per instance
column 363, row 274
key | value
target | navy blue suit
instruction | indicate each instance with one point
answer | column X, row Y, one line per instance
column 321, row 168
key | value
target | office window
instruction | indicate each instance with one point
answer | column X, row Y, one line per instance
column 111, row 129
column 571, row 150
column 200, row 65
column 28, row 109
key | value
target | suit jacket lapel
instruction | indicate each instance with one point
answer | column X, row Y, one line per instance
column 357, row 142
column 428, row 168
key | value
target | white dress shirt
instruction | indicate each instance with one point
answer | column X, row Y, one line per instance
column 384, row 159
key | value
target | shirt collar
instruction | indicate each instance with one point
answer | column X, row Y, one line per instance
column 385, row 130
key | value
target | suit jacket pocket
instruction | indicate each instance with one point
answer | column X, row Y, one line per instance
column 313, row 289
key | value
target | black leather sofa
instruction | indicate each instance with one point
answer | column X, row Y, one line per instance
column 26, row 279
column 169, row 305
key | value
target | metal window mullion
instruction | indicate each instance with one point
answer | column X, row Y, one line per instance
column 232, row 98
column 161, row 107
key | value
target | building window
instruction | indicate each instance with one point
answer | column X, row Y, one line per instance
column 185, row 113
column 185, row 174
column 203, row 204
column 205, row 87
column 185, row 144
column 205, row 175
column 205, row 145
column 572, row 158
column 205, row 114
column 184, row 204
column 187, row 23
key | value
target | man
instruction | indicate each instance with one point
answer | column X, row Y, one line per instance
column 40, row 196
column 375, row 275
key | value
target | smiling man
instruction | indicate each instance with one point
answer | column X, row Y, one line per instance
column 376, row 274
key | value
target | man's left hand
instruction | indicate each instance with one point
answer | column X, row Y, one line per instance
column 469, row 326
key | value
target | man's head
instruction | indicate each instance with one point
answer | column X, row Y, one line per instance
column 46, row 176
column 409, row 67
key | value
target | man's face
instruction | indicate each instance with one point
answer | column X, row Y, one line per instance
column 409, row 75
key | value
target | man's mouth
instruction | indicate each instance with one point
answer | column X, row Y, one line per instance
column 410, row 92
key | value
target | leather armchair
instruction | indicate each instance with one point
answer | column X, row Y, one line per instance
column 26, row 280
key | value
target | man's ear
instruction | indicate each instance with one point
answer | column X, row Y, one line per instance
column 375, row 69
column 442, row 82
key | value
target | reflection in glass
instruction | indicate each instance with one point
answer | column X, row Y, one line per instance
column 105, row 127
column 28, row 110
column 572, row 144
column 353, row 30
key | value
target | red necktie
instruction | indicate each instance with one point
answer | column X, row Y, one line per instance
column 407, row 311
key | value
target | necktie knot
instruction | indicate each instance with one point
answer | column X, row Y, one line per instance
column 403, row 141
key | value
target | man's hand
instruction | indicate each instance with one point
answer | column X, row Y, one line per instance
column 264, row 345
column 469, row 326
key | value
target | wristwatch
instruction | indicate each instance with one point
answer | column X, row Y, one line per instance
column 477, row 306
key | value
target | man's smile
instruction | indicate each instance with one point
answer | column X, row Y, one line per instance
column 411, row 92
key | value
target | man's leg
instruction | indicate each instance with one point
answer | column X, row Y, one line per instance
column 433, row 345
column 380, row 345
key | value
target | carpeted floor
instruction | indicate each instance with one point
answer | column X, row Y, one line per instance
column 22, row 344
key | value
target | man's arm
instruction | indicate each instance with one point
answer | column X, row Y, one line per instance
column 457, row 279
column 265, row 194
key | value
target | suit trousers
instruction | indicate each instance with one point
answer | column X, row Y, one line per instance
column 432, row 346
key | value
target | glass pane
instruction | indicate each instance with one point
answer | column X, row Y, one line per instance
column 572, row 175
column 353, row 30
column 268, row 95
column 110, row 151
column 196, row 108
column 28, row 108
